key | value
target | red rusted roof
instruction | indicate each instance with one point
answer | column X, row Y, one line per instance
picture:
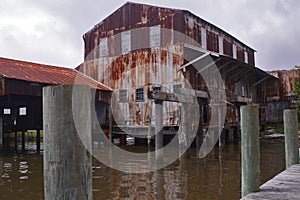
column 33, row 72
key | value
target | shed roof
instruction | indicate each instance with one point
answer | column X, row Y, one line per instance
column 40, row 73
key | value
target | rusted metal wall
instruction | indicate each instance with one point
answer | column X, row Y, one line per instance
column 287, row 80
column 145, row 69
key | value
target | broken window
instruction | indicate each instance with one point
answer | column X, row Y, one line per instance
column 177, row 88
column 156, row 88
column 139, row 94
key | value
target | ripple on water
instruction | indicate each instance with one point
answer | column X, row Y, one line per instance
column 23, row 169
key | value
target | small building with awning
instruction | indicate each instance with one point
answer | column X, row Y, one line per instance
column 21, row 86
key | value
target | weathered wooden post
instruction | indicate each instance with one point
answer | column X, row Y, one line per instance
column 199, row 136
column 110, row 128
column 1, row 132
column 291, row 137
column 23, row 141
column 16, row 141
column 159, row 129
column 250, row 149
column 149, row 125
column 221, row 126
column 183, row 128
column 38, row 141
column 67, row 162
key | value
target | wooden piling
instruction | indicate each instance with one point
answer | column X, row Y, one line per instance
column 23, row 141
column 221, row 126
column 291, row 137
column 158, row 129
column 149, row 125
column 16, row 141
column 199, row 140
column 38, row 141
column 1, row 132
column 110, row 128
column 182, row 135
column 67, row 161
column 250, row 149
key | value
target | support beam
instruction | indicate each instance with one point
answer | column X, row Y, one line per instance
column 38, row 141
column 149, row 125
column 67, row 157
column 16, row 141
column 260, row 81
column 221, row 126
column 164, row 96
column 250, row 149
column 291, row 137
column 193, row 61
column 159, row 130
column 199, row 139
column 110, row 123
column 184, row 128
column 1, row 132
column 23, row 141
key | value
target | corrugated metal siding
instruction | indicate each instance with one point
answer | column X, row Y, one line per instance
column 275, row 111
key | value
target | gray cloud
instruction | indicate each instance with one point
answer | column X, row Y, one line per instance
column 51, row 31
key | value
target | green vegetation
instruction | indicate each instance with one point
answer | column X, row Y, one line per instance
column 277, row 128
column 297, row 92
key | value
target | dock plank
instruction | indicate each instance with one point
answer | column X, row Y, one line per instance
column 285, row 185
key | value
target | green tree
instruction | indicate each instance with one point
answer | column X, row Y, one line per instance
column 297, row 92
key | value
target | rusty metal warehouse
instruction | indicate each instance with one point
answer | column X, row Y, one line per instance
column 145, row 52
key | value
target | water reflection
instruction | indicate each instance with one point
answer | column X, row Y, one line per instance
column 215, row 177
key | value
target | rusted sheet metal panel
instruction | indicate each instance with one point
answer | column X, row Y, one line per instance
column 240, row 54
column 212, row 42
column 140, row 69
column 227, row 47
column 275, row 111
column 231, row 113
column 2, row 86
column 262, row 115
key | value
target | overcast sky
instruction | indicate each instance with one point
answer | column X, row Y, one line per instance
column 50, row 31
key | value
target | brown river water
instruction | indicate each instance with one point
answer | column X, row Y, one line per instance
column 218, row 176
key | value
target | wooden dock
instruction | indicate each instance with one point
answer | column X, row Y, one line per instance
column 285, row 185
